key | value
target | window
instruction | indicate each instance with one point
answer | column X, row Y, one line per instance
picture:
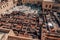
column 3, row 6
column 46, row 6
column 49, row 6
column 7, row 4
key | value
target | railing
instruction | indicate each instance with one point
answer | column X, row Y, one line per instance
column 18, row 38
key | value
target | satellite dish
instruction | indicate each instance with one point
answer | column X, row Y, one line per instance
column 50, row 24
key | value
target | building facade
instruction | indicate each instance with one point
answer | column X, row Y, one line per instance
column 55, row 4
column 6, row 5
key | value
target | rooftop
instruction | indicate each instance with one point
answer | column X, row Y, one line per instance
column 23, row 9
column 49, row 0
